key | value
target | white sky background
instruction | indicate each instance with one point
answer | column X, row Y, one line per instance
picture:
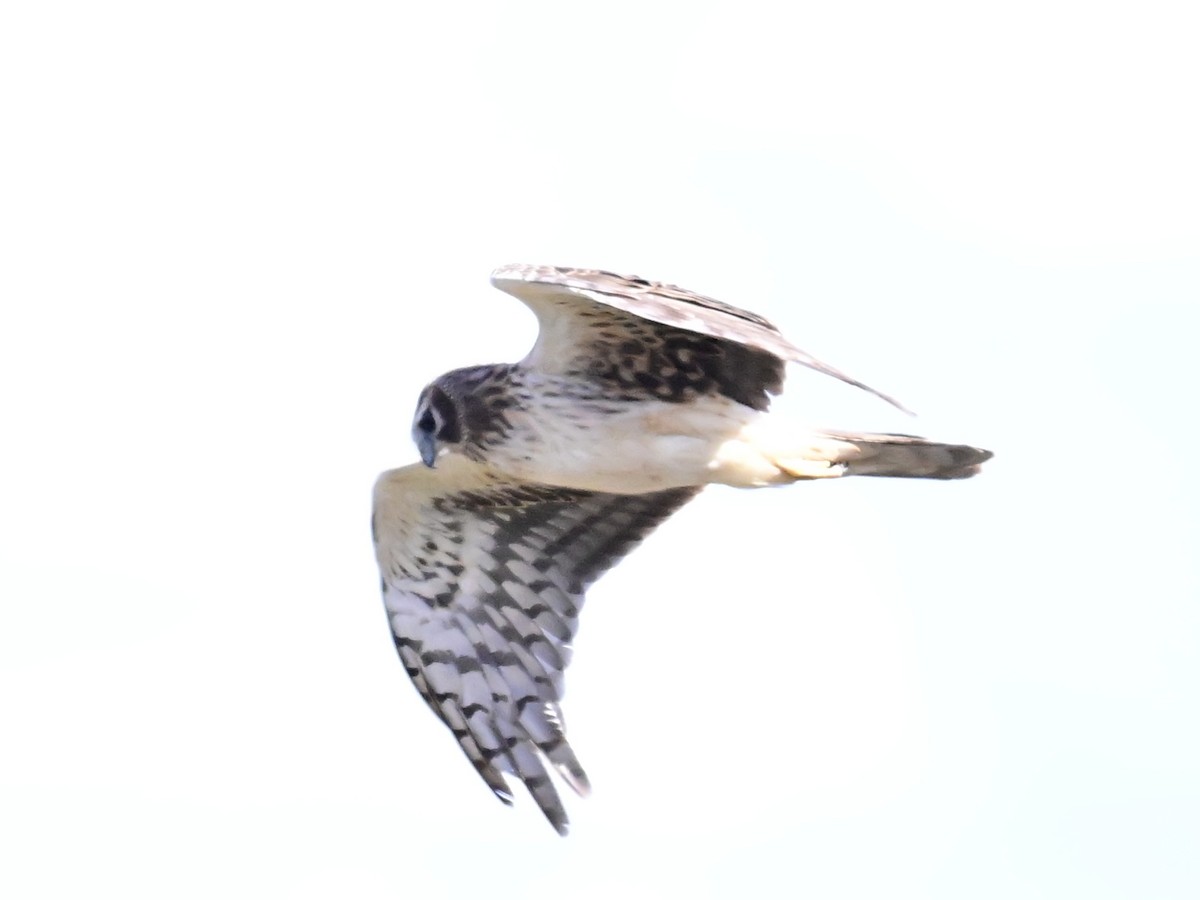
column 237, row 238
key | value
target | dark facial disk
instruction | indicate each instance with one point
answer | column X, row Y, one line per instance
column 435, row 423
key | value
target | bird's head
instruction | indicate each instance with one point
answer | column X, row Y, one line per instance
column 438, row 424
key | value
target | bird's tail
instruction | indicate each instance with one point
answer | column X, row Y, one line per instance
column 832, row 454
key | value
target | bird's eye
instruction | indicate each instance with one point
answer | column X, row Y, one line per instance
column 427, row 423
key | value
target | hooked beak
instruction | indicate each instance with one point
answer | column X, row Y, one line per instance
column 427, row 446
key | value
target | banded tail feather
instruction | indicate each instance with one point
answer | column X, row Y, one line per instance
column 833, row 454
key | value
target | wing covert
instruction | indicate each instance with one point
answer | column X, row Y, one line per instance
column 554, row 294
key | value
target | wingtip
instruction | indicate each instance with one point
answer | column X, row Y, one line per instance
column 886, row 398
column 796, row 355
column 503, row 796
column 893, row 401
column 576, row 778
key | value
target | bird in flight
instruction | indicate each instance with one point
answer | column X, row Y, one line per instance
column 538, row 476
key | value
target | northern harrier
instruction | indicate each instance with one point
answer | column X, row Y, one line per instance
column 536, row 477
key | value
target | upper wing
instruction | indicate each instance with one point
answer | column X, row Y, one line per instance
column 483, row 582
column 554, row 294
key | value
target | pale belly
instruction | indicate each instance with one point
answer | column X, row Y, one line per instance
column 634, row 448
